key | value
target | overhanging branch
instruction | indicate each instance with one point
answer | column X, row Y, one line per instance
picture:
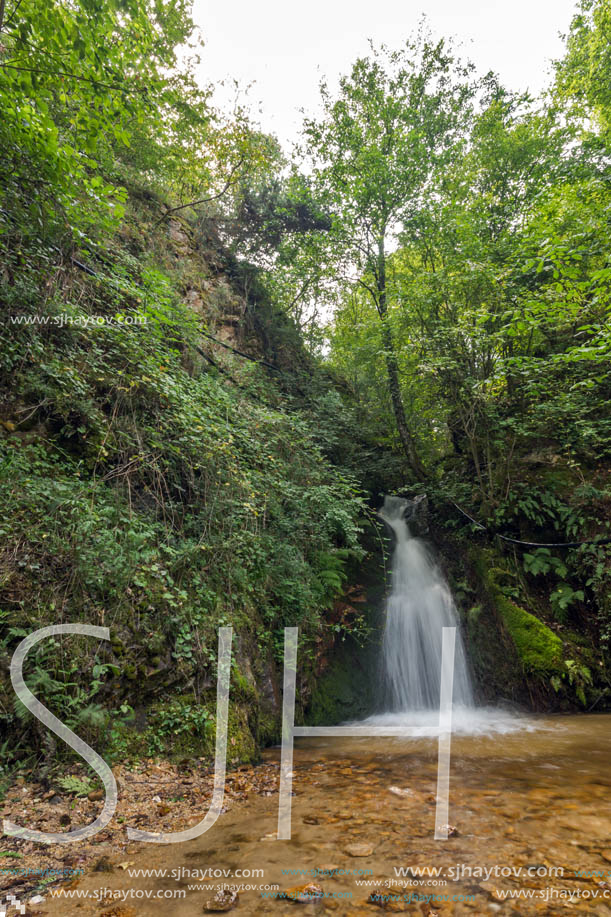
column 203, row 200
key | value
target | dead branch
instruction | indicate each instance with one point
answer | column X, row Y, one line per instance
column 203, row 200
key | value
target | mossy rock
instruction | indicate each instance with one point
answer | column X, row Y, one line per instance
column 514, row 654
column 268, row 729
column 176, row 728
column 538, row 647
column 345, row 692
column 241, row 688
column 241, row 745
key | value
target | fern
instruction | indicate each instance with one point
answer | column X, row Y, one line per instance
column 76, row 786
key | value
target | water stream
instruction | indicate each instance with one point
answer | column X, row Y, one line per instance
column 420, row 605
column 531, row 810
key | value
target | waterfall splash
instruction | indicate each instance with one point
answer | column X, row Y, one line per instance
column 420, row 605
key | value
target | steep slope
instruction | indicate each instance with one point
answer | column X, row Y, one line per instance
column 157, row 482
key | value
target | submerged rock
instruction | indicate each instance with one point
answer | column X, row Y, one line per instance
column 359, row 850
column 224, row 900
column 301, row 894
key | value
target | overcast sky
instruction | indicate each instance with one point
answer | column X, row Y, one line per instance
column 285, row 48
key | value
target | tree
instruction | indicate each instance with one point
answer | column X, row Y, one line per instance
column 583, row 76
column 498, row 294
column 376, row 153
column 86, row 87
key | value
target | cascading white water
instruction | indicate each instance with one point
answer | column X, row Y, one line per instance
column 419, row 607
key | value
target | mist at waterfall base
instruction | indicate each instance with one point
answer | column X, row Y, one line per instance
column 419, row 606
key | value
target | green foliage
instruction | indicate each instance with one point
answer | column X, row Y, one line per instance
column 331, row 571
column 579, row 678
column 562, row 597
column 176, row 721
column 172, row 501
column 538, row 648
column 80, row 83
column 76, row 786
column 143, row 489
column 381, row 145
column 497, row 308
column 542, row 561
column 461, row 233
column 592, row 564
column 583, row 76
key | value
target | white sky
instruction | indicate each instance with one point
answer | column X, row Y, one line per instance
column 285, row 48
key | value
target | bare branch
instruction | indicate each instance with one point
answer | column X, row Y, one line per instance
column 373, row 293
column 203, row 200
column 74, row 76
column 301, row 293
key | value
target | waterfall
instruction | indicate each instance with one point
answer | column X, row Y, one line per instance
column 420, row 605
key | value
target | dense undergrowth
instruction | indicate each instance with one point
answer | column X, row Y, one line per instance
column 145, row 490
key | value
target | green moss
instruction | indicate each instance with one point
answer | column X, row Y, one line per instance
column 241, row 688
column 178, row 729
column 241, row 745
column 268, row 728
column 539, row 648
column 343, row 693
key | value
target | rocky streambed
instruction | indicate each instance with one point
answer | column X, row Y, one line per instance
column 530, row 812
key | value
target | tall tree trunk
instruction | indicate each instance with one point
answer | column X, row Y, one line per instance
column 392, row 368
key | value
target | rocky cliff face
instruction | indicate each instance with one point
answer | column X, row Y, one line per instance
column 518, row 653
